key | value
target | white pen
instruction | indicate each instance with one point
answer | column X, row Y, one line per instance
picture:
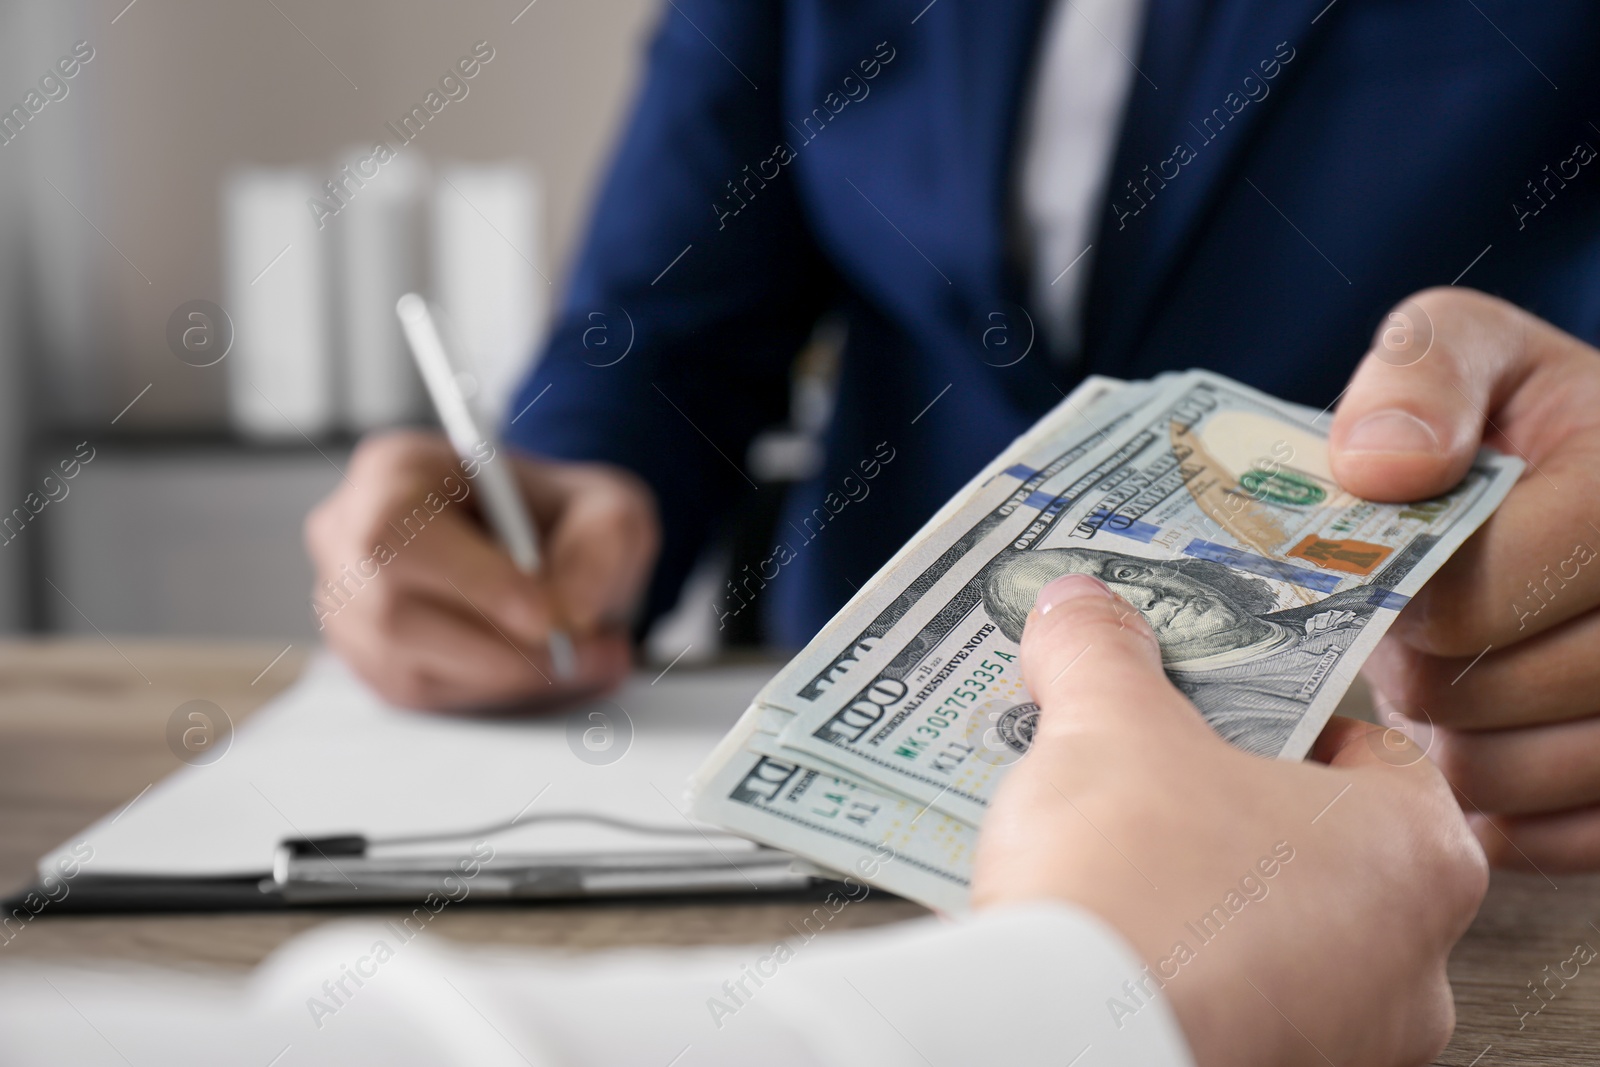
column 502, row 500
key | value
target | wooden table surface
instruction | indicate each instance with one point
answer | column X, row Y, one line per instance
column 83, row 730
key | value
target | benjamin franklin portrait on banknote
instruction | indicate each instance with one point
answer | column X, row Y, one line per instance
column 1250, row 669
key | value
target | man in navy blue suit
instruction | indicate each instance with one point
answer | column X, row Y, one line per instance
column 995, row 199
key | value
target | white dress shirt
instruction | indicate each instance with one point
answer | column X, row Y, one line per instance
column 1085, row 71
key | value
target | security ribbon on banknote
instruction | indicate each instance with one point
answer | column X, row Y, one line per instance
column 1205, row 504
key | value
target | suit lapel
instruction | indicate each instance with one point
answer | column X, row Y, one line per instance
column 985, row 55
column 993, row 48
column 1198, row 54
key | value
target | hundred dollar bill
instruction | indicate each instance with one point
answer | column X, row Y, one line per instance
column 1210, row 507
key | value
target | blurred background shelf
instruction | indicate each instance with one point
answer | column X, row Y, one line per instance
column 173, row 537
column 115, row 213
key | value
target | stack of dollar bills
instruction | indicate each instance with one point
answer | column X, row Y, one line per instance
column 1208, row 505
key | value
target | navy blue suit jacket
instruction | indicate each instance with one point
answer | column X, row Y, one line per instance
column 1287, row 171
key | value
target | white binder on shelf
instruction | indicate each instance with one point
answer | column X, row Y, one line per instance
column 488, row 278
column 280, row 380
column 382, row 240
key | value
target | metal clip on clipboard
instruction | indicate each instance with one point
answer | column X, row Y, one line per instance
column 353, row 868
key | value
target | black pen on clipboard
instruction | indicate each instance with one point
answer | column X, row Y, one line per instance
column 502, row 499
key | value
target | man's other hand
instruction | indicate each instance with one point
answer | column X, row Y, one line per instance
column 1500, row 651
column 417, row 596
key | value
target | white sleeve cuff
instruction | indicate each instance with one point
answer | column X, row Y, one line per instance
column 1035, row 984
column 1044, row 983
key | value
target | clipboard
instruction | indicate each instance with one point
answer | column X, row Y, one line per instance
column 328, row 796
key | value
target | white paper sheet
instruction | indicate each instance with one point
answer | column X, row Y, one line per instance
column 328, row 757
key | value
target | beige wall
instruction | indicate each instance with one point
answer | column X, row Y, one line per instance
column 180, row 91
